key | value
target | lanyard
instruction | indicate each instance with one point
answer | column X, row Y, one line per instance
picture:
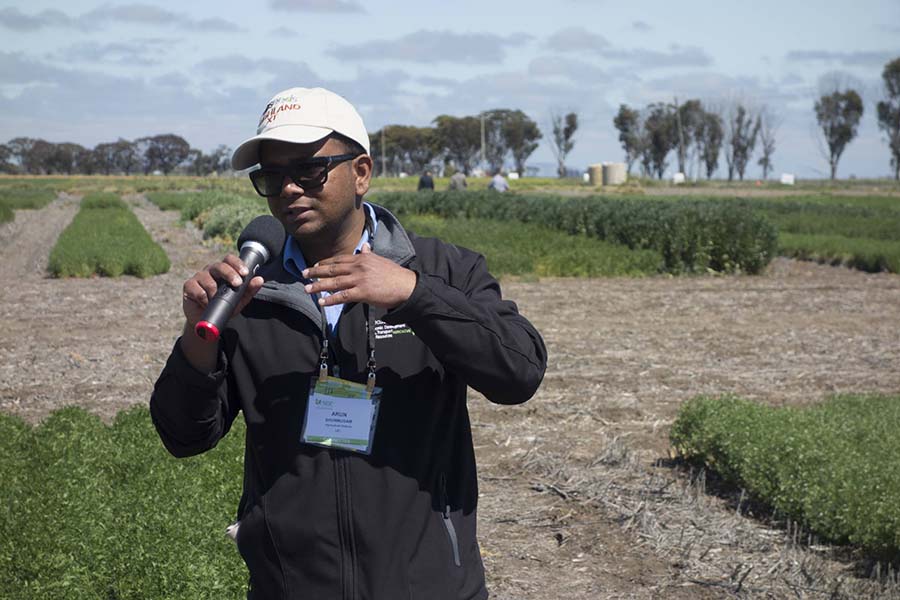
column 370, row 333
column 371, row 365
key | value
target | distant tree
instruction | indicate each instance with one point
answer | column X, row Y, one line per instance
column 521, row 135
column 221, row 159
column 889, row 112
column 40, row 157
column 628, row 122
column 495, row 146
column 460, row 139
column 562, row 141
column 710, row 134
column 838, row 114
column 87, row 161
column 63, row 158
column 5, row 165
column 416, row 147
column 688, row 118
column 105, row 157
column 740, row 139
column 163, row 152
column 769, row 123
column 661, row 136
column 127, row 156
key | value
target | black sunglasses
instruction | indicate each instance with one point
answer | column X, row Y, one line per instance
column 308, row 174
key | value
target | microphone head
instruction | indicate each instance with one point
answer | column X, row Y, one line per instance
column 267, row 231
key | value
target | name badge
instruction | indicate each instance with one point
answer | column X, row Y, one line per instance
column 341, row 414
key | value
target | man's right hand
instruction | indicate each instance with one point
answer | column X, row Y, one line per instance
column 196, row 295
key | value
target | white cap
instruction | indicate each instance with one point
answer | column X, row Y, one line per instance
column 301, row 116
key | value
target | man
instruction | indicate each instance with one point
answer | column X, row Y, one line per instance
column 498, row 183
column 359, row 325
column 426, row 182
column 457, row 182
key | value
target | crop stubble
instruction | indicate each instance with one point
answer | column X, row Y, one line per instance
column 572, row 505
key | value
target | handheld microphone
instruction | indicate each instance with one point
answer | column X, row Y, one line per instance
column 260, row 241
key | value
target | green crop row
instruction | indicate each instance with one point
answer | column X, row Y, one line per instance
column 832, row 467
column 872, row 255
column 692, row 236
column 529, row 249
column 97, row 512
column 18, row 198
column 105, row 238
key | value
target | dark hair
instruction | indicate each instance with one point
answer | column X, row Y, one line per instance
column 351, row 146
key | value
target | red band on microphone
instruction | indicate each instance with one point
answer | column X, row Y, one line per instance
column 207, row 331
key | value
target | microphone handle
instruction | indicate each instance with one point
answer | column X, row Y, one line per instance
column 219, row 309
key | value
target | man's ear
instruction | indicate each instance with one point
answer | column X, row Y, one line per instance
column 362, row 171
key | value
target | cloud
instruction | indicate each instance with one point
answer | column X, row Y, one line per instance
column 576, row 39
column 136, row 13
column 641, row 26
column 580, row 40
column 567, row 68
column 13, row 18
column 434, row 47
column 859, row 58
column 238, row 64
column 140, row 52
column 677, row 56
column 320, row 6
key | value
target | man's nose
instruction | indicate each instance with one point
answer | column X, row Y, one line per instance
column 289, row 187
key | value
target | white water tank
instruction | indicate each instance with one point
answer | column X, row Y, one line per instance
column 614, row 173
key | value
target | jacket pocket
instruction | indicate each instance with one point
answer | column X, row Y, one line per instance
column 258, row 551
column 448, row 522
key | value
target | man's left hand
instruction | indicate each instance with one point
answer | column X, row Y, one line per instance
column 364, row 277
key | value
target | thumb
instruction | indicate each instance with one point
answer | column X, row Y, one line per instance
column 366, row 249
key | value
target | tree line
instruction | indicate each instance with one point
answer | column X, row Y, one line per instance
column 165, row 153
column 738, row 131
column 457, row 143
column 698, row 134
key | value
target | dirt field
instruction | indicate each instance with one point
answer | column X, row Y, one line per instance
column 579, row 498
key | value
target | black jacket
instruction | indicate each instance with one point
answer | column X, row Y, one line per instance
column 400, row 523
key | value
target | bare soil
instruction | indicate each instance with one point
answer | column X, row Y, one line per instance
column 579, row 497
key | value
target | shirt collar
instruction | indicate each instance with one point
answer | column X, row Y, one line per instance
column 294, row 263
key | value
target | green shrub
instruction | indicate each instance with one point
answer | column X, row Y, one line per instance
column 227, row 221
column 201, row 203
column 99, row 512
column 831, row 466
column 105, row 238
column 692, row 236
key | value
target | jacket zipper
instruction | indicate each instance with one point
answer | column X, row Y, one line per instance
column 342, row 488
column 448, row 524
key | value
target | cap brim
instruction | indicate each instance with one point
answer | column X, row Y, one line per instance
column 247, row 154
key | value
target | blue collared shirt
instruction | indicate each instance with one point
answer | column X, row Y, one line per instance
column 294, row 263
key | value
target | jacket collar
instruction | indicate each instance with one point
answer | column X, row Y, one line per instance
column 391, row 241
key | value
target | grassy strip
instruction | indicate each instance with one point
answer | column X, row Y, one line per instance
column 18, row 198
column 169, row 200
column 97, row 512
column 832, row 466
column 528, row 249
column 105, row 238
column 872, row 255
column 692, row 236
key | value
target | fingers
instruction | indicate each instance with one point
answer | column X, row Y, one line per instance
column 252, row 287
column 203, row 285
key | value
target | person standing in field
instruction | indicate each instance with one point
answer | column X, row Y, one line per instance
column 458, row 182
column 426, row 182
column 349, row 356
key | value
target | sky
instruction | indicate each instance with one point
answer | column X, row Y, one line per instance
column 94, row 71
